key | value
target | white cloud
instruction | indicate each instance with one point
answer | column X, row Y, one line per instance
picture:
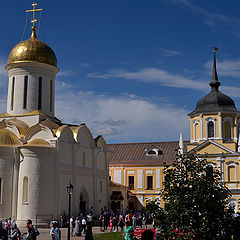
column 65, row 73
column 143, row 120
column 169, row 53
column 155, row 75
column 228, row 67
column 210, row 18
column 85, row 64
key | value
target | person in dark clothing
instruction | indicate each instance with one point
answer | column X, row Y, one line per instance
column 3, row 232
column 147, row 235
column 105, row 216
column 31, row 234
column 15, row 234
column 89, row 235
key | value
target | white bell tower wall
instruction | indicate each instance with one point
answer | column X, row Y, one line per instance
column 31, row 87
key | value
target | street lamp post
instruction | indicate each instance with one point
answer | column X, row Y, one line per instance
column 69, row 191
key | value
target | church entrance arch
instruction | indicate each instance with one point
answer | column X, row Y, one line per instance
column 83, row 201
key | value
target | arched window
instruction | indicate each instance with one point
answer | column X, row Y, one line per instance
column 25, row 190
column 196, row 131
column 227, row 127
column 210, row 127
column 1, row 189
column 101, row 186
column 231, row 174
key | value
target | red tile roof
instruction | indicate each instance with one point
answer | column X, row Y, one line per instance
column 136, row 153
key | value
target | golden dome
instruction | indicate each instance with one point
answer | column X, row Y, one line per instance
column 32, row 50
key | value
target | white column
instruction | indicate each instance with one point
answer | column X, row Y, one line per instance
column 219, row 125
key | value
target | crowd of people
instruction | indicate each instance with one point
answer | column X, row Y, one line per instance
column 9, row 229
column 116, row 220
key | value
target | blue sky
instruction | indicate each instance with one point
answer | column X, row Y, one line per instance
column 132, row 69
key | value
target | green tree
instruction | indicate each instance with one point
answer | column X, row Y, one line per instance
column 196, row 199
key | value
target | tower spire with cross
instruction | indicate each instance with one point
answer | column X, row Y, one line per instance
column 34, row 10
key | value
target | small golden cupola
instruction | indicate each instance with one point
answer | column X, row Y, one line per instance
column 215, row 116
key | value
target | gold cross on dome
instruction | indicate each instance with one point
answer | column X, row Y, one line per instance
column 34, row 10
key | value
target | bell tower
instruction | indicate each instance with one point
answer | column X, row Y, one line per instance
column 215, row 117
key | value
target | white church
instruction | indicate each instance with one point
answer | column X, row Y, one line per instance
column 39, row 154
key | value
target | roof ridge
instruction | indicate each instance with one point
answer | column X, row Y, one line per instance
column 143, row 142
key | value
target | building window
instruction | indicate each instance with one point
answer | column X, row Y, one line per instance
column 100, row 186
column 25, row 92
column 12, row 97
column 25, row 190
column 1, row 190
column 40, row 93
column 231, row 173
column 83, row 159
column 196, row 131
column 227, row 128
column 210, row 127
column 51, row 95
column 131, row 182
column 149, row 182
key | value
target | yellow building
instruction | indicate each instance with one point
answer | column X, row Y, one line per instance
column 140, row 167
column 215, row 135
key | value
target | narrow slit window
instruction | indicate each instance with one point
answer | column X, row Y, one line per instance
column 83, row 159
column 40, row 93
column 25, row 190
column 25, row 92
column 1, row 188
column 51, row 95
column 12, row 97
column 101, row 186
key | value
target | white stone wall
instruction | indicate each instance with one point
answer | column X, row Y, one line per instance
column 39, row 165
column 33, row 70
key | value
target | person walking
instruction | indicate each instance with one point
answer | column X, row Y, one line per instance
column 89, row 235
column 55, row 232
column 72, row 225
column 78, row 228
column 15, row 232
column 84, row 224
column 3, row 232
column 30, row 234
column 128, row 232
